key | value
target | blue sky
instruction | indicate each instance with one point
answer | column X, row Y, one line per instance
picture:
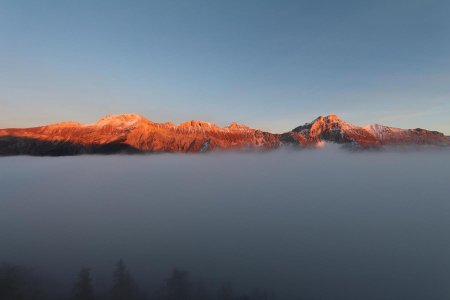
column 269, row 64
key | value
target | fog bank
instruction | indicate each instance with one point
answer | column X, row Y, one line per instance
column 311, row 224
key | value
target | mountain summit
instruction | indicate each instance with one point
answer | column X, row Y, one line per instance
column 123, row 120
column 133, row 133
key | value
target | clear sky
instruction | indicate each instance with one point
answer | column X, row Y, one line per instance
column 269, row 64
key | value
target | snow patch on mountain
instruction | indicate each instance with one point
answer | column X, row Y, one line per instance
column 122, row 121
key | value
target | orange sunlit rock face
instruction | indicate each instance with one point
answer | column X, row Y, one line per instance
column 132, row 133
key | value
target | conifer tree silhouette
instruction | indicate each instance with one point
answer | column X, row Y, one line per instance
column 177, row 286
column 122, row 284
column 83, row 289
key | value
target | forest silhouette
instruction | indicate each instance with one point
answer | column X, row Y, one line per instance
column 21, row 283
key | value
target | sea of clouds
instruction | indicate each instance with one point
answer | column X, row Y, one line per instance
column 310, row 224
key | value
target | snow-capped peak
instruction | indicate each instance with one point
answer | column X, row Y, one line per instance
column 120, row 121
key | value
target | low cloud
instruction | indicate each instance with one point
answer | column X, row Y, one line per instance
column 310, row 224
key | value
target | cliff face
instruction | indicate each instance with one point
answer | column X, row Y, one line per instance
column 132, row 133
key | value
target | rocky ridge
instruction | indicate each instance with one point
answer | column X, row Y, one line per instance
column 133, row 133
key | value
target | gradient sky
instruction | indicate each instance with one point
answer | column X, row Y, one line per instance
column 269, row 64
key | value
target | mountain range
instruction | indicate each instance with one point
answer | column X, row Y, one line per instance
column 133, row 133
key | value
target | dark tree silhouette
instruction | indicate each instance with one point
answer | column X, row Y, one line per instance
column 225, row 292
column 122, row 286
column 17, row 283
column 83, row 289
column 177, row 287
